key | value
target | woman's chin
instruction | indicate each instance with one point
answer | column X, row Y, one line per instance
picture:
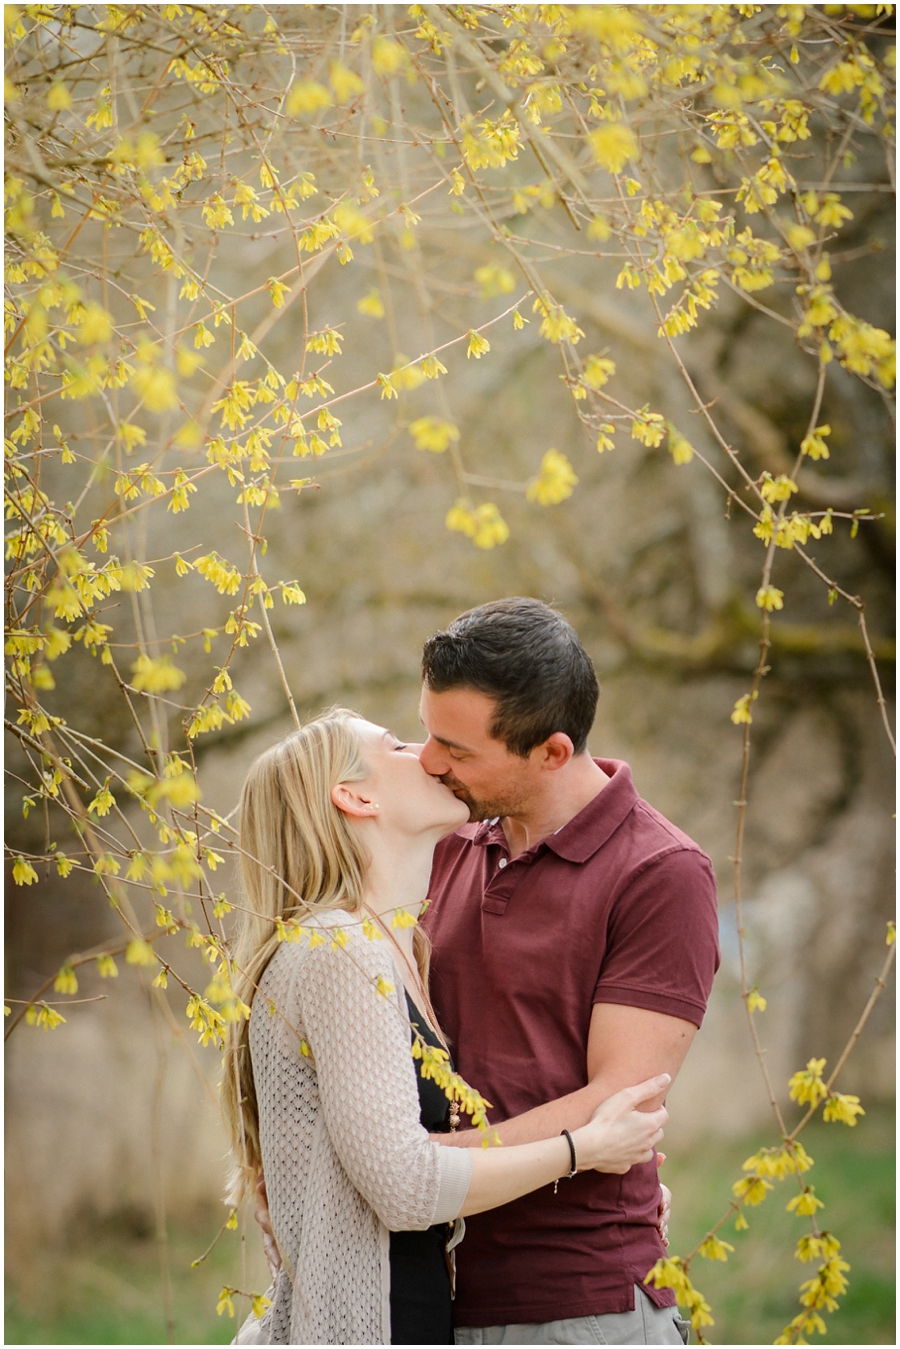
column 461, row 817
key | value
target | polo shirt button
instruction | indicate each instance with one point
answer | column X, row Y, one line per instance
column 503, row 861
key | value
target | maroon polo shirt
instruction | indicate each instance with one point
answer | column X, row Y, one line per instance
column 617, row 906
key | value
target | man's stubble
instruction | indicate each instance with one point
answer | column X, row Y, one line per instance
column 487, row 808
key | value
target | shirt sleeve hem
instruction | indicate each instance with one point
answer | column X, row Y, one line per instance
column 650, row 1000
column 456, row 1173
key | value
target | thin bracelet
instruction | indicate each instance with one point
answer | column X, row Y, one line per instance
column 573, row 1170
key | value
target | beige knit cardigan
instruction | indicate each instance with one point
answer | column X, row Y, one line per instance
column 345, row 1157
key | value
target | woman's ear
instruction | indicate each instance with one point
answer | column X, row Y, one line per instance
column 349, row 798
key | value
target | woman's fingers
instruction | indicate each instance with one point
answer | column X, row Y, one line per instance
column 262, row 1216
column 644, row 1091
column 665, row 1212
column 620, row 1135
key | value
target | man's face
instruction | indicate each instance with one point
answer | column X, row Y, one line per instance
column 460, row 751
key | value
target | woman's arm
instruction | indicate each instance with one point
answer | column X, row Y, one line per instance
column 360, row 1043
column 617, row 1136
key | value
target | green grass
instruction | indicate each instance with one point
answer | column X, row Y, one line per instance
column 105, row 1287
column 754, row 1295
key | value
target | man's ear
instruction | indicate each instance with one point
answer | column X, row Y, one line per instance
column 556, row 751
column 352, row 800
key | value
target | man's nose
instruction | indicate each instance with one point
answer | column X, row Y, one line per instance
column 431, row 758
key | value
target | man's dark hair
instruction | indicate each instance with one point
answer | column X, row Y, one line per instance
column 526, row 656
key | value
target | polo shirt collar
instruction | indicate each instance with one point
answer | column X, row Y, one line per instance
column 587, row 831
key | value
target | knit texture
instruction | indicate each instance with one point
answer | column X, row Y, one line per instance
column 345, row 1157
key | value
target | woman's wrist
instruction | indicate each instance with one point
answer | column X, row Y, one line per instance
column 581, row 1141
column 573, row 1154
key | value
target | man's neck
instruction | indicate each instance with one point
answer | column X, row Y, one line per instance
column 568, row 792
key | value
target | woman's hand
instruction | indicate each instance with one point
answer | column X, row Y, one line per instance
column 262, row 1216
column 664, row 1213
column 619, row 1135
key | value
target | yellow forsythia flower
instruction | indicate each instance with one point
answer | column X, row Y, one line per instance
column 777, row 489
column 613, row 146
column 597, row 370
column 714, row 1249
column 751, row 1190
column 769, row 598
column 554, row 482
column 65, row 981
column 807, row 1085
column 371, row 305
column 681, row 449
column 484, row 525
column 23, row 872
column 843, row 1108
column 805, row 1204
column 307, row 98
column 225, row 1302
column 345, row 83
column 814, row 444
column 139, row 952
column 431, row 433
column 156, row 675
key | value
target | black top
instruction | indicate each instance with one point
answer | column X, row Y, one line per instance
column 421, row 1308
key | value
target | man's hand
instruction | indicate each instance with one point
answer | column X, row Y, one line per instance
column 261, row 1214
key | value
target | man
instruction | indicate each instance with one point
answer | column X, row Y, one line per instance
column 575, row 943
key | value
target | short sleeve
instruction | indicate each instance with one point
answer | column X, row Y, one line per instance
column 662, row 941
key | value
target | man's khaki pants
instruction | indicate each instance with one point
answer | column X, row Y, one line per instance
column 647, row 1324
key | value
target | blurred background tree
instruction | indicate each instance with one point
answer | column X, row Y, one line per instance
column 325, row 323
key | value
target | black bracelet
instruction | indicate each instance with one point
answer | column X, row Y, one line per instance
column 573, row 1170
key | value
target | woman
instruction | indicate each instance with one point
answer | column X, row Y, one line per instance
column 338, row 826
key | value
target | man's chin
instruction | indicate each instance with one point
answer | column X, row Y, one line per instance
column 477, row 810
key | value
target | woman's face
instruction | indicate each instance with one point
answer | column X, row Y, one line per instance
column 407, row 798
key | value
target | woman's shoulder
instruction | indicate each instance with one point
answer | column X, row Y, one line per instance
column 333, row 938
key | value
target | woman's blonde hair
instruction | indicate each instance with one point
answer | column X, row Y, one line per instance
column 299, row 856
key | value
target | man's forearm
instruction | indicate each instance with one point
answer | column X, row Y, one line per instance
column 625, row 1045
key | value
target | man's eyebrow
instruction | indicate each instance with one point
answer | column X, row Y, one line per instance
column 450, row 744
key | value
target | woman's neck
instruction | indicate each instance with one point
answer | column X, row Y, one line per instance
column 397, row 887
column 398, row 876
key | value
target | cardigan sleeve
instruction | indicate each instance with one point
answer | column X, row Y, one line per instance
column 360, row 1042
